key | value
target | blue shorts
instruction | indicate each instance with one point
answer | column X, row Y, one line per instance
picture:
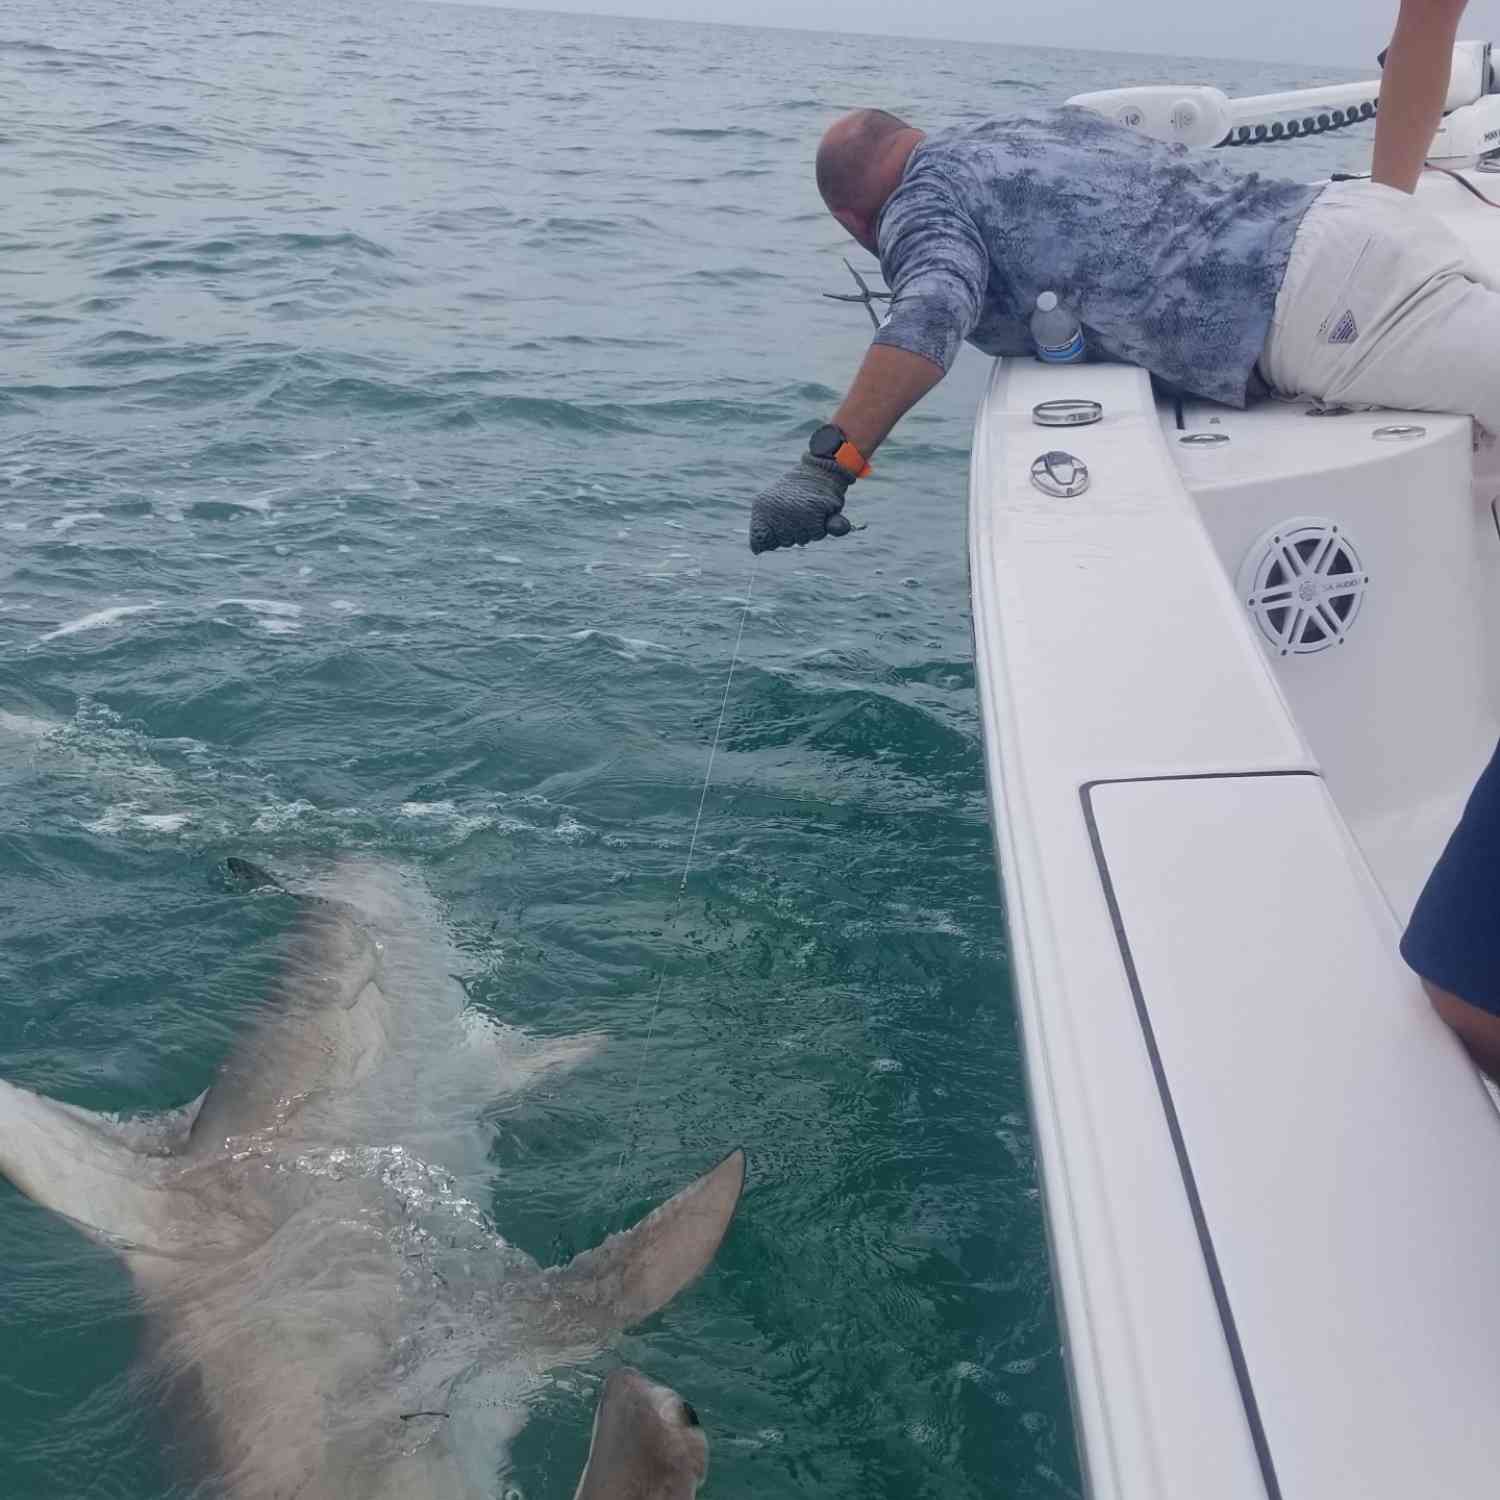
column 1453, row 938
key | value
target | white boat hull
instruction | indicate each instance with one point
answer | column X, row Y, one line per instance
column 1271, row 1175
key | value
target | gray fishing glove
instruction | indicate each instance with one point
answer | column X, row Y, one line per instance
column 804, row 505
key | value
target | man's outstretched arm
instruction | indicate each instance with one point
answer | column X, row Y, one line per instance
column 1413, row 89
column 938, row 268
column 806, row 504
column 890, row 382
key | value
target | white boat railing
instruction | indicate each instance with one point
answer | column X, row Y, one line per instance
column 1201, row 115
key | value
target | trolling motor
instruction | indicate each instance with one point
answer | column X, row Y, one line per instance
column 1198, row 115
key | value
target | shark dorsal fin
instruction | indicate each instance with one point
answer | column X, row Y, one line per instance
column 631, row 1274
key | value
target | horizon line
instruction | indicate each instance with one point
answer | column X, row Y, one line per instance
column 632, row 15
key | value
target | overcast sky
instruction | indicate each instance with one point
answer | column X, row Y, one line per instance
column 1348, row 32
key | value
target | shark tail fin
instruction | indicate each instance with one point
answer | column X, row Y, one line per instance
column 101, row 1172
column 631, row 1274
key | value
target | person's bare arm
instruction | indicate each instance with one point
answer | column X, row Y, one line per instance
column 890, row 382
column 1414, row 88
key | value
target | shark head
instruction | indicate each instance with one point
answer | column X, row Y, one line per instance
column 647, row 1444
column 313, row 1267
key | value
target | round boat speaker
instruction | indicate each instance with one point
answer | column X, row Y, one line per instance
column 1303, row 583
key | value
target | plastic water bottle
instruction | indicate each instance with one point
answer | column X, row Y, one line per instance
column 1055, row 332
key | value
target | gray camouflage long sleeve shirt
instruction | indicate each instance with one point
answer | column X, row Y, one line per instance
column 1171, row 259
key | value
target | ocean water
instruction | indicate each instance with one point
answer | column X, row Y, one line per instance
column 382, row 389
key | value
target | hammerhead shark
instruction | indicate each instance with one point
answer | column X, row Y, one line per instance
column 328, row 1314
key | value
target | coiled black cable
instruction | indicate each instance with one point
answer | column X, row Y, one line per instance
column 1288, row 130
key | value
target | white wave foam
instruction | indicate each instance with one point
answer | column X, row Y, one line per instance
column 278, row 815
column 632, row 648
column 114, row 820
column 67, row 523
column 126, row 815
column 100, row 618
column 164, row 822
column 261, row 503
column 272, row 615
column 512, row 826
column 459, row 825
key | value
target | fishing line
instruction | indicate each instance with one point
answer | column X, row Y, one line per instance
column 687, row 867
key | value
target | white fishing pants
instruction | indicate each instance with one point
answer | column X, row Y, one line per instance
column 1381, row 306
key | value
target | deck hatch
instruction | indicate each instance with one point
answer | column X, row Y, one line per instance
column 1336, row 1149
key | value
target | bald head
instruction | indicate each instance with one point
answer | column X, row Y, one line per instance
column 860, row 162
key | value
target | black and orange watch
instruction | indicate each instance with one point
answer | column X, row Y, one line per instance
column 833, row 442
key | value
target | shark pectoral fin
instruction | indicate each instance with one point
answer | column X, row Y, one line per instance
column 83, row 1166
column 512, row 1059
column 631, row 1274
column 161, row 1134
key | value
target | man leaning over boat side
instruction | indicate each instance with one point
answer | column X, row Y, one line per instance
column 1223, row 284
